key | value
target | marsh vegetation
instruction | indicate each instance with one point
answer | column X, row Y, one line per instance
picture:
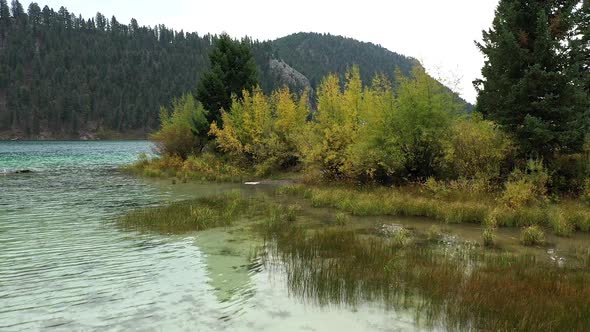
column 332, row 258
column 193, row 215
column 455, row 206
column 459, row 288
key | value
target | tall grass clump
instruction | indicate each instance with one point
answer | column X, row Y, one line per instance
column 414, row 202
column 342, row 219
column 581, row 219
column 489, row 229
column 489, row 236
column 401, row 238
column 532, row 235
column 560, row 223
column 383, row 201
column 279, row 217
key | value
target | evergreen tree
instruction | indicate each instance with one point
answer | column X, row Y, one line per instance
column 17, row 9
column 582, row 43
column 4, row 18
column 34, row 12
column 233, row 70
column 528, row 85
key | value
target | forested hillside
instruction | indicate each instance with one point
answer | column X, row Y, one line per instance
column 62, row 75
column 317, row 55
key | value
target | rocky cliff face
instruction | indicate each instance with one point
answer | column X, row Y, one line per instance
column 284, row 74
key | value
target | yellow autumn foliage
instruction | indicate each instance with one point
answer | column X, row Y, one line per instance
column 263, row 131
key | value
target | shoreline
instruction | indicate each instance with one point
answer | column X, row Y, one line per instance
column 84, row 136
column 72, row 140
column 449, row 205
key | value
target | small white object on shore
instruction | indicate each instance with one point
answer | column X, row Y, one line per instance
column 252, row 183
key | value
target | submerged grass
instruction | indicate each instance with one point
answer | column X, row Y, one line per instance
column 193, row 215
column 461, row 288
column 563, row 218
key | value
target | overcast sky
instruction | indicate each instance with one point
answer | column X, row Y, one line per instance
column 439, row 33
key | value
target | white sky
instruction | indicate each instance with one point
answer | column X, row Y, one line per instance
column 439, row 33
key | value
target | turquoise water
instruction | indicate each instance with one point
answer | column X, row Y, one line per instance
column 65, row 266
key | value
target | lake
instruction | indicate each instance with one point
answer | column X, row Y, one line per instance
column 65, row 265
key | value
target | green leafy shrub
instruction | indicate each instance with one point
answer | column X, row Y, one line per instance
column 569, row 173
column 437, row 189
column 476, row 148
column 404, row 129
column 183, row 129
column 263, row 132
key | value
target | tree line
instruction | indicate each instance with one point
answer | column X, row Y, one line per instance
column 62, row 74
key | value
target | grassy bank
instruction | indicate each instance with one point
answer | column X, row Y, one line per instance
column 563, row 218
column 206, row 167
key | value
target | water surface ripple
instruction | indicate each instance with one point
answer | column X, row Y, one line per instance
column 64, row 266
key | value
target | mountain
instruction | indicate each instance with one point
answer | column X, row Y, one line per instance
column 316, row 55
column 64, row 76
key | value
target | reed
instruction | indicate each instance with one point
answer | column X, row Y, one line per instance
column 560, row 223
column 461, row 288
column 532, row 235
column 489, row 236
column 342, row 219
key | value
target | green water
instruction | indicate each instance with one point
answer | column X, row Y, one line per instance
column 65, row 266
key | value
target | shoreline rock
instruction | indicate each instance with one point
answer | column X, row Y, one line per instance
column 19, row 171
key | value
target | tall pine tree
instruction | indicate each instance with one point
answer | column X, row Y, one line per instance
column 233, row 70
column 582, row 45
column 4, row 18
column 528, row 84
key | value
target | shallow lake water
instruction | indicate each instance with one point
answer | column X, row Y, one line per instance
column 65, row 266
